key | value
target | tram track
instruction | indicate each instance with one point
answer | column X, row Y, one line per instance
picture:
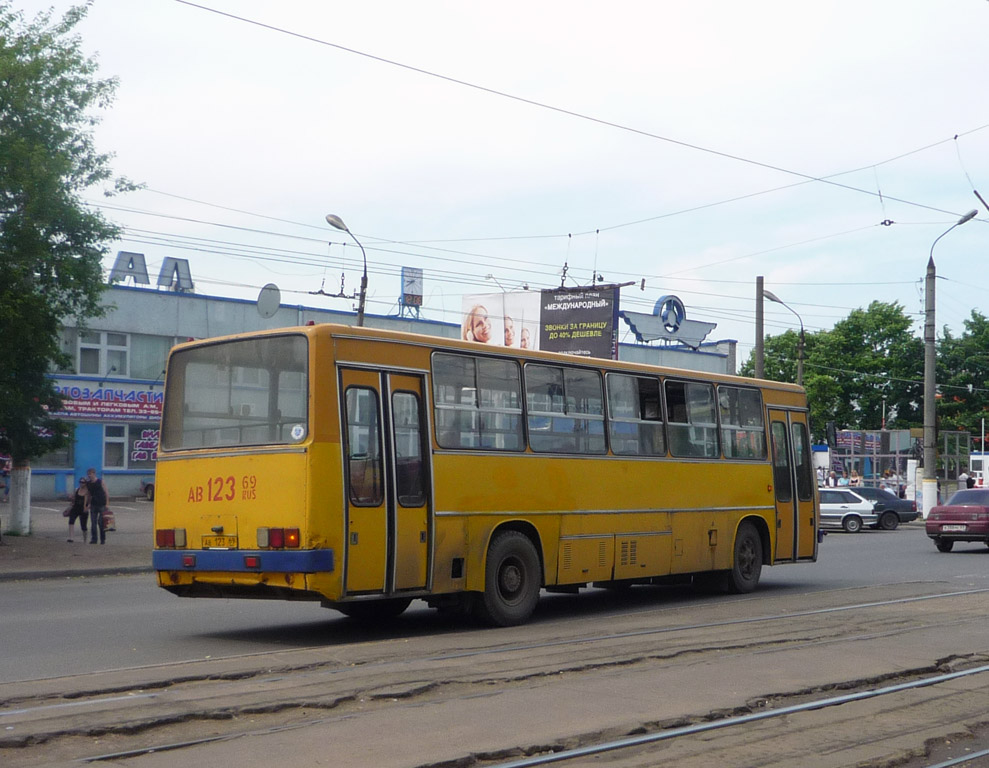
column 565, row 756
column 304, row 688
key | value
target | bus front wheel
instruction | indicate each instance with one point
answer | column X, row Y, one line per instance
column 512, row 580
column 747, row 565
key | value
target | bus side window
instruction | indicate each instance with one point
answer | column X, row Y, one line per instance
column 692, row 419
column 743, row 431
column 805, row 472
column 781, row 463
column 477, row 402
column 408, row 450
column 635, row 416
column 363, row 449
column 565, row 408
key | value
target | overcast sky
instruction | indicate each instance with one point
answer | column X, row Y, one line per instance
column 679, row 142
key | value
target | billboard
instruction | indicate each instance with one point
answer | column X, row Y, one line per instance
column 575, row 321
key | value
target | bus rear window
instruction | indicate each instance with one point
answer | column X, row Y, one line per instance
column 251, row 392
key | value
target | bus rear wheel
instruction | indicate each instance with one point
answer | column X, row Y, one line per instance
column 747, row 563
column 374, row 610
column 512, row 580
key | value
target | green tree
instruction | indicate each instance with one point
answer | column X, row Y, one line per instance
column 870, row 355
column 963, row 376
column 51, row 242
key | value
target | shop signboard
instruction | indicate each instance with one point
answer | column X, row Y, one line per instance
column 125, row 403
column 145, row 446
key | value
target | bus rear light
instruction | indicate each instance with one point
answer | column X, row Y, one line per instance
column 276, row 538
column 170, row 538
column 188, row 561
column 252, row 561
column 279, row 538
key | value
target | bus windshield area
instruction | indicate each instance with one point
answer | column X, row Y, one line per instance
column 236, row 393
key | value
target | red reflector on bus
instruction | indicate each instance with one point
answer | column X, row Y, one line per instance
column 252, row 561
column 292, row 537
column 276, row 537
column 188, row 561
column 165, row 537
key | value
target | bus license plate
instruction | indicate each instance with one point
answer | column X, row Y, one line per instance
column 953, row 527
column 219, row 542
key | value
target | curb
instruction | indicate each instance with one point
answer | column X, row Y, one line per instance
column 39, row 575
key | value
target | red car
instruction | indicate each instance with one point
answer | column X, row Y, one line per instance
column 964, row 518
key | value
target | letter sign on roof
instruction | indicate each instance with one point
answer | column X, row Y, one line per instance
column 175, row 273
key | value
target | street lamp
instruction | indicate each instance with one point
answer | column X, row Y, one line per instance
column 800, row 345
column 335, row 221
column 929, row 498
column 492, row 277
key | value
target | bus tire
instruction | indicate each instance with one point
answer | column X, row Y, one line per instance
column 374, row 610
column 512, row 580
column 746, row 564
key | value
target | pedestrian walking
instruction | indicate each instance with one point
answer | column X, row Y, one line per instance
column 99, row 498
column 79, row 510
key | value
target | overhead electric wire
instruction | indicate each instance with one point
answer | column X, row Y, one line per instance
column 508, row 260
column 552, row 108
column 379, row 266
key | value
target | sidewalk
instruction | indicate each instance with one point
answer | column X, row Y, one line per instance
column 46, row 554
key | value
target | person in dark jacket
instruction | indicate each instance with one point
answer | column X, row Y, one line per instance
column 99, row 498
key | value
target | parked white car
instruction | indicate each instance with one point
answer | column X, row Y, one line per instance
column 843, row 508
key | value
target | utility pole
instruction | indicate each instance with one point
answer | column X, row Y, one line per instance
column 760, row 348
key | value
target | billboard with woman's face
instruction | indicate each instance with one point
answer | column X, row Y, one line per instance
column 578, row 321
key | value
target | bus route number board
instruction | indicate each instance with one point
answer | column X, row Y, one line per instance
column 219, row 542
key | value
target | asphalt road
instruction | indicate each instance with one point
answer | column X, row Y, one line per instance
column 85, row 624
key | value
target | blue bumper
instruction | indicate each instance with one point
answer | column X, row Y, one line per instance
column 243, row 561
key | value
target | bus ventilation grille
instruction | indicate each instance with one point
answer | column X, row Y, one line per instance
column 627, row 556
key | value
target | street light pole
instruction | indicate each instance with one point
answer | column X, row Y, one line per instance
column 800, row 343
column 335, row 221
column 929, row 498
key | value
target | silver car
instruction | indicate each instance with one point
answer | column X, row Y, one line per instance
column 843, row 508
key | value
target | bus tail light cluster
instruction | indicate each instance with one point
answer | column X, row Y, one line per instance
column 170, row 538
column 278, row 538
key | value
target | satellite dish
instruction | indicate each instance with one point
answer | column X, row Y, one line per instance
column 269, row 300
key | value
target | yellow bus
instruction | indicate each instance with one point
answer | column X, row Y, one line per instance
column 364, row 468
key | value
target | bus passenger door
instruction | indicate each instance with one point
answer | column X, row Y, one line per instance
column 786, row 508
column 366, row 523
column 409, row 482
column 793, row 478
column 806, row 486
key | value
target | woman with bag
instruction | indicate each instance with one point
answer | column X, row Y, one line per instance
column 79, row 508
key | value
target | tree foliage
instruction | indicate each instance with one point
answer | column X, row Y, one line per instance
column 848, row 371
column 51, row 242
column 963, row 376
